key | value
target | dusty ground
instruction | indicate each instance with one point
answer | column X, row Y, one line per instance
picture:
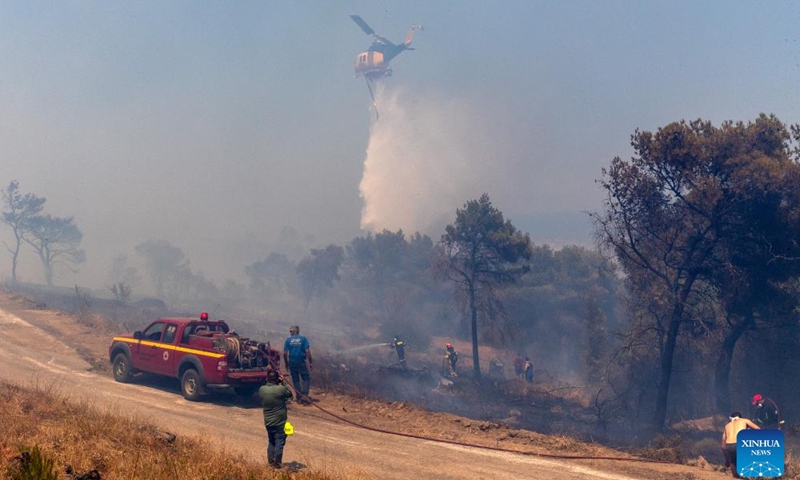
column 51, row 348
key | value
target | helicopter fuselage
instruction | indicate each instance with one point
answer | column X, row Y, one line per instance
column 374, row 63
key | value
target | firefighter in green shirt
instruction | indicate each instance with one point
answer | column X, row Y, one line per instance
column 274, row 395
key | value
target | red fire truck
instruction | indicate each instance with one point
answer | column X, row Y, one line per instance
column 202, row 354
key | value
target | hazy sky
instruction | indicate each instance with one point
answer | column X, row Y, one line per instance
column 214, row 125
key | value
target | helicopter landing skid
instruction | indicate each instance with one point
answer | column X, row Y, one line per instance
column 375, row 75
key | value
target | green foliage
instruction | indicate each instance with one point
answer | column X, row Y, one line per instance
column 164, row 262
column 32, row 464
column 17, row 214
column 57, row 242
column 319, row 271
column 390, row 275
column 481, row 252
column 272, row 272
column 570, row 297
column 701, row 216
column 172, row 277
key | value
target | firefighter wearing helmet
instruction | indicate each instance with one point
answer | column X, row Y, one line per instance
column 764, row 412
column 400, row 347
column 452, row 358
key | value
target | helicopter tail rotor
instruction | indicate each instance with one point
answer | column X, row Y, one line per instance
column 410, row 35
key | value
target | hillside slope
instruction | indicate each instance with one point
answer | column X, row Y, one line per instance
column 69, row 355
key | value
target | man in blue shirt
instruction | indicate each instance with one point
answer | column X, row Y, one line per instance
column 295, row 353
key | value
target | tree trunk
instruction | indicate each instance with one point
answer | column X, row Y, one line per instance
column 308, row 295
column 48, row 268
column 722, row 371
column 14, row 260
column 48, row 274
column 476, row 364
column 668, row 354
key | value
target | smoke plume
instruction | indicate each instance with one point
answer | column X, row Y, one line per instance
column 426, row 157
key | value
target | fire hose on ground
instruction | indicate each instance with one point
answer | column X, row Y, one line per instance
column 466, row 444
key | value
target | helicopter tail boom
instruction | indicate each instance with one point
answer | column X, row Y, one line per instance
column 410, row 35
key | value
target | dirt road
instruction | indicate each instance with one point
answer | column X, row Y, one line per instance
column 29, row 354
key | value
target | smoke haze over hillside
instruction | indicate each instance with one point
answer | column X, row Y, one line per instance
column 234, row 130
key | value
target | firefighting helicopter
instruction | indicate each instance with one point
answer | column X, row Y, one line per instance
column 373, row 64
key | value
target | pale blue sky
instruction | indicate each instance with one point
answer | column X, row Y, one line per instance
column 215, row 124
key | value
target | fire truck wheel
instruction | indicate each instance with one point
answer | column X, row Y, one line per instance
column 123, row 371
column 191, row 385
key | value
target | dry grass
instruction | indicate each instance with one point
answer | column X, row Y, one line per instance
column 665, row 448
column 80, row 436
column 679, row 449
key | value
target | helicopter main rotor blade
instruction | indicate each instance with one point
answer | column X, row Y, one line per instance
column 361, row 23
column 384, row 40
